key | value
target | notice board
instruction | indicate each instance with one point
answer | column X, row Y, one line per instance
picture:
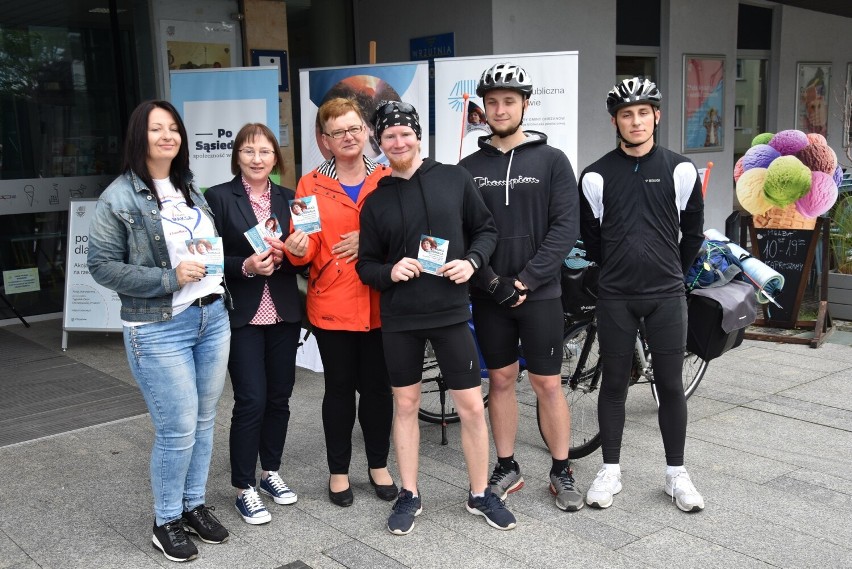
column 791, row 253
column 88, row 306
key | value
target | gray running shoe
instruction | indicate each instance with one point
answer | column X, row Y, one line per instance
column 504, row 481
column 562, row 485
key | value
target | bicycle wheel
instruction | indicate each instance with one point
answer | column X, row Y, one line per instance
column 581, row 375
column 693, row 372
column 433, row 389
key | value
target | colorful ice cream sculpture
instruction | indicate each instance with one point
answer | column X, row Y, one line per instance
column 787, row 179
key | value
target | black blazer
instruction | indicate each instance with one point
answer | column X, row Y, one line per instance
column 233, row 216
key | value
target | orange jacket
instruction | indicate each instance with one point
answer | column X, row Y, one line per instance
column 337, row 299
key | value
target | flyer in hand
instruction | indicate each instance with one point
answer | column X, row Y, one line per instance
column 305, row 214
column 270, row 227
column 432, row 253
column 208, row 250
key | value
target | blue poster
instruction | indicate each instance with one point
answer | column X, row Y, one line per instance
column 215, row 104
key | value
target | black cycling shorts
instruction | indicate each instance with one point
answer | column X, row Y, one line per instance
column 454, row 350
column 537, row 325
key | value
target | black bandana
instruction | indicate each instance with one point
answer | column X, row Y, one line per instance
column 396, row 113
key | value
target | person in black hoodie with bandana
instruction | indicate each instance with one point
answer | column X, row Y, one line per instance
column 424, row 296
column 531, row 191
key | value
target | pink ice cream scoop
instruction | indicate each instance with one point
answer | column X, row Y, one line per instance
column 750, row 191
column 822, row 196
column 759, row 156
column 789, row 142
column 738, row 169
column 816, row 138
column 819, row 158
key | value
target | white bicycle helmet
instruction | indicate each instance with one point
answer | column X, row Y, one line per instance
column 632, row 91
column 505, row 76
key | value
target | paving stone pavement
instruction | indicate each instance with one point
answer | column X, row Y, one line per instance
column 768, row 446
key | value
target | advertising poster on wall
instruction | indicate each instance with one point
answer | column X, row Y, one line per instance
column 459, row 122
column 196, row 45
column 703, row 101
column 812, row 94
column 214, row 105
column 368, row 84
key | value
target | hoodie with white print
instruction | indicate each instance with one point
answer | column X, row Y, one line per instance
column 532, row 194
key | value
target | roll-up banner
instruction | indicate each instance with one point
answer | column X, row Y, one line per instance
column 460, row 120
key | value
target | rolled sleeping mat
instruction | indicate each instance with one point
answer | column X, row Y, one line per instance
column 768, row 281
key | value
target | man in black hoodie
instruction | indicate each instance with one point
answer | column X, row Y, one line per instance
column 531, row 190
column 424, row 296
column 642, row 218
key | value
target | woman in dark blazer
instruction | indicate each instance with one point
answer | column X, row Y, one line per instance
column 265, row 321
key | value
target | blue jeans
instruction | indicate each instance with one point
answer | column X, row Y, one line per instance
column 180, row 365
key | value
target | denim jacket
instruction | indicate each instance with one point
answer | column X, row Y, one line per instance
column 127, row 249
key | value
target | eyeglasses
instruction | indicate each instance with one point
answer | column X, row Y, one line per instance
column 398, row 107
column 353, row 130
column 265, row 154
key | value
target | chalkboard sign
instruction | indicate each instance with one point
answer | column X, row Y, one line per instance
column 88, row 306
column 790, row 252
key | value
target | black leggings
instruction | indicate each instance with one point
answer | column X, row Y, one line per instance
column 665, row 329
column 355, row 361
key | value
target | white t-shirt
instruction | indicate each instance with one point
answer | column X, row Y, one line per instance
column 181, row 223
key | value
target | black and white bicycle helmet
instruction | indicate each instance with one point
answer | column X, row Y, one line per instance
column 632, row 91
column 505, row 76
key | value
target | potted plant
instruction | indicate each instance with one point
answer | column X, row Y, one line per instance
column 840, row 278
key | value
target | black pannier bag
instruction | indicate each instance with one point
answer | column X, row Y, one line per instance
column 718, row 318
column 579, row 284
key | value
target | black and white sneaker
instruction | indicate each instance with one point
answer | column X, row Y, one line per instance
column 205, row 525
column 171, row 539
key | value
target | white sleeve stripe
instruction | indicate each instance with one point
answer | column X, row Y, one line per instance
column 593, row 190
column 685, row 176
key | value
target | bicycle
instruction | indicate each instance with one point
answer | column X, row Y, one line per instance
column 581, row 366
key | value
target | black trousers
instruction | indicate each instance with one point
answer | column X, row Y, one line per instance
column 665, row 330
column 355, row 362
column 262, row 365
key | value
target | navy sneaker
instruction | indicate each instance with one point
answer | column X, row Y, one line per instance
column 492, row 509
column 274, row 487
column 171, row 539
column 406, row 508
column 251, row 507
column 201, row 521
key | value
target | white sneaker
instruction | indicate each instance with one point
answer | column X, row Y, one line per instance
column 606, row 485
column 683, row 493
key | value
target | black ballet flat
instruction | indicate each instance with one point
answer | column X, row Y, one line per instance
column 387, row 492
column 344, row 498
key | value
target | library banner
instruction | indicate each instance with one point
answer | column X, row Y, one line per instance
column 215, row 104
column 460, row 114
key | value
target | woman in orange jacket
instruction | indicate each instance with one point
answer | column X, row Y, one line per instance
column 344, row 312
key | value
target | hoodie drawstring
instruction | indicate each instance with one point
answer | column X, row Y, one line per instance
column 508, row 171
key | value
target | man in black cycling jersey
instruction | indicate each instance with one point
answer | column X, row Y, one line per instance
column 531, row 191
column 642, row 214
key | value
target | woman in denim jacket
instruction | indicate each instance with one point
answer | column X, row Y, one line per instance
column 176, row 329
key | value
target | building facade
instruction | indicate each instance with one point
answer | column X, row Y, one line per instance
column 71, row 72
